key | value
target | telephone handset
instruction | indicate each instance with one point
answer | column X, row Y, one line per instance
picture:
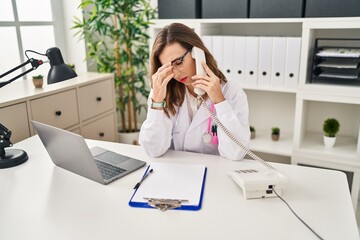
column 199, row 56
column 255, row 184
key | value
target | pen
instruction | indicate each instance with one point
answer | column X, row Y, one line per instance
column 147, row 174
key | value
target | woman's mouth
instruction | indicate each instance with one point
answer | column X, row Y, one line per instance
column 183, row 79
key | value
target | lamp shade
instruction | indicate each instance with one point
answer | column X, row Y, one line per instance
column 59, row 71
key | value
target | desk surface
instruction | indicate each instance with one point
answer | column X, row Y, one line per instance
column 41, row 201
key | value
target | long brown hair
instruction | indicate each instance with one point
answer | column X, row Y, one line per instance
column 187, row 38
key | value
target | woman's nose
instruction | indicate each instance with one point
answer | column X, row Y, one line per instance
column 176, row 72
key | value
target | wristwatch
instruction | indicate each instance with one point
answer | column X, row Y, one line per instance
column 158, row 104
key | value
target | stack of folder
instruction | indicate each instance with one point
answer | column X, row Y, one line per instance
column 252, row 61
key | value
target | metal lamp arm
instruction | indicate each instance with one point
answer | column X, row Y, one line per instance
column 35, row 63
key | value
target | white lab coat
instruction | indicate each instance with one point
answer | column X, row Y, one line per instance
column 159, row 133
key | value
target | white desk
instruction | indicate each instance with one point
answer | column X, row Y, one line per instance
column 41, row 201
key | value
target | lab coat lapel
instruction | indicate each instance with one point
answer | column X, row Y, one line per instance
column 183, row 120
column 200, row 116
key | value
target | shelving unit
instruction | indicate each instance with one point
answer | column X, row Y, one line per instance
column 316, row 102
column 298, row 112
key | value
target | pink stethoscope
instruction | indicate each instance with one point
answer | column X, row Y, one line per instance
column 211, row 135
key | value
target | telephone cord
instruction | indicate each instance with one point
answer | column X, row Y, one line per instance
column 255, row 157
column 297, row 216
column 233, row 138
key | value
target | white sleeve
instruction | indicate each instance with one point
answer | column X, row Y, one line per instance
column 155, row 133
column 233, row 113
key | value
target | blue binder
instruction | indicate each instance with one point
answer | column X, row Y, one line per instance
column 170, row 182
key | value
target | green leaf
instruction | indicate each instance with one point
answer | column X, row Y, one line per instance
column 97, row 28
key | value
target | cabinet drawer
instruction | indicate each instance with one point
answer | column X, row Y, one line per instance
column 101, row 129
column 16, row 120
column 59, row 110
column 76, row 130
column 96, row 98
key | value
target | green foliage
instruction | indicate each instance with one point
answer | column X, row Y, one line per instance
column 331, row 127
column 38, row 76
column 70, row 65
column 116, row 36
column 252, row 129
column 275, row 130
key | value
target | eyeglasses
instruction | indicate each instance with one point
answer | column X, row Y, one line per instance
column 179, row 60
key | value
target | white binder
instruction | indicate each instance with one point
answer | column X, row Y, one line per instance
column 264, row 69
column 228, row 56
column 239, row 59
column 293, row 49
column 207, row 40
column 217, row 50
column 278, row 62
column 252, row 55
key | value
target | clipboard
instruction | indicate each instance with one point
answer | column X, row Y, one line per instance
column 171, row 186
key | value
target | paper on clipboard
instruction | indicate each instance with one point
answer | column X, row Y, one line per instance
column 172, row 181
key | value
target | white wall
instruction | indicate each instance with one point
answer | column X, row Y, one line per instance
column 154, row 3
column 75, row 48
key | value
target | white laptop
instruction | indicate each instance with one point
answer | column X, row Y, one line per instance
column 70, row 151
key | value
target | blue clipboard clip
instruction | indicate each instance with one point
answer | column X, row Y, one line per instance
column 165, row 204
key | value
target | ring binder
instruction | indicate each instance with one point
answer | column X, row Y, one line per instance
column 165, row 204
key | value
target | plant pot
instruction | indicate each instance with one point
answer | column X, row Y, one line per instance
column 252, row 135
column 38, row 82
column 129, row 138
column 329, row 142
column 275, row 137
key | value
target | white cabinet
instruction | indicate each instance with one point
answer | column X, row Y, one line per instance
column 15, row 118
column 101, row 129
column 96, row 98
column 317, row 102
column 297, row 108
column 59, row 110
column 84, row 105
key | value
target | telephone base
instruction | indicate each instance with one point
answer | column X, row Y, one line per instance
column 259, row 184
column 260, row 193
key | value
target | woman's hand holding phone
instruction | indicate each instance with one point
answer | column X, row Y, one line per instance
column 160, row 80
column 210, row 84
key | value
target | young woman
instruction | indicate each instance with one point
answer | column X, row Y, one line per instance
column 176, row 119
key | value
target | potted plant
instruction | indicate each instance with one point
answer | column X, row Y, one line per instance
column 331, row 127
column 38, row 81
column 71, row 65
column 116, row 37
column 252, row 132
column 275, row 133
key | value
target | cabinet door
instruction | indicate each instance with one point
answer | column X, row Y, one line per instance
column 16, row 120
column 101, row 129
column 59, row 110
column 96, row 98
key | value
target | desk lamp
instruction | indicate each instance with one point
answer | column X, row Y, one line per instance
column 58, row 72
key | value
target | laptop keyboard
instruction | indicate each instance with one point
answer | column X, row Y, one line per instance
column 108, row 171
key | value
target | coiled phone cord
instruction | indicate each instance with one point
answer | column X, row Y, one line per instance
column 254, row 156
column 233, row 138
